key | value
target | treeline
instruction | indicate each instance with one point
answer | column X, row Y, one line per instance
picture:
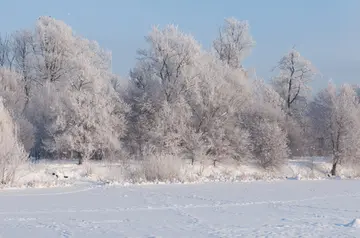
column 60, row 99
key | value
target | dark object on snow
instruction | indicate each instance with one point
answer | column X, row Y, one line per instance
column 57, row 176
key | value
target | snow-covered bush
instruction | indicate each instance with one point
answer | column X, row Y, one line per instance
column 269, row 144
column 162, row 167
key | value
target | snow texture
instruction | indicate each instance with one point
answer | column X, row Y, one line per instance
column 259, row 209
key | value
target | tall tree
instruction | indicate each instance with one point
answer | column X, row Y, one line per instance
column 162, row 76
column 86, row 115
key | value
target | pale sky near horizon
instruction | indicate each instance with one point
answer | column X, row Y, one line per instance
column 325, row 31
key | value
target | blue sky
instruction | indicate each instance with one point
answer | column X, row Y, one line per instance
column 326, row 32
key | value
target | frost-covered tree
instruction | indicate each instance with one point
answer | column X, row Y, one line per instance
column 220, row 93
column 234, row 42
column 173, row 133
column 87, row 125
column 295, row 75
column 144, row 105
column 12, row 153
column 24, row 60
column 51, row 61
column 54, row 48
column 162, row 75
column 264, row 119
column 357, row 90
column 6, row 52
column 293, row 84
column 11, row 90
column 170, row 53
column 176, row 79
column 14, row 98
column 336, row 119
column 85, row 116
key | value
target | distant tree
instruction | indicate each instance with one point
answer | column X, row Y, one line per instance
column 234, row 42
column 292, row 83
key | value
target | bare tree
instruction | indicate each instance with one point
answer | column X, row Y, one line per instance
column 171, row 51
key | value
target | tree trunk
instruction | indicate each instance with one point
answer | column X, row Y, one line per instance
column 333, row 169
column 81, row 160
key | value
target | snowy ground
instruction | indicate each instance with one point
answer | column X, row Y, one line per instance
column 289, row 208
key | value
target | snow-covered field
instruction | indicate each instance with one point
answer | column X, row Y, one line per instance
column 290, row 208
column 229, row 200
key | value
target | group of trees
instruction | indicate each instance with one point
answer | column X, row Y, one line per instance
column 60, row 99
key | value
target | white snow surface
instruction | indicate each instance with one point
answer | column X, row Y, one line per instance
column 289, row 208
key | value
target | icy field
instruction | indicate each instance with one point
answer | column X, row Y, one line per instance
column 257, row 209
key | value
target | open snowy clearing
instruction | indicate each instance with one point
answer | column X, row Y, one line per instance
column 292, row 208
